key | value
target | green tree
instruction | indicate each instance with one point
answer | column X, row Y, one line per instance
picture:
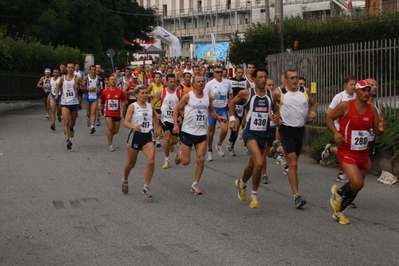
column 258, row 42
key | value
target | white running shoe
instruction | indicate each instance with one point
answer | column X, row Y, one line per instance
column 209, row 156
column 220, row 150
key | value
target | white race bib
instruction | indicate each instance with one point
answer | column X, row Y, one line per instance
column 145, row 124
column 259, row 121
column 199, row 117
column 239, row 110
column 359, row 140
column 113, row 105
column 69, row 95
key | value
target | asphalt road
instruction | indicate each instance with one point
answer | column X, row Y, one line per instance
column 62, row 207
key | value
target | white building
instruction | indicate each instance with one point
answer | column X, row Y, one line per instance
column 192, row 21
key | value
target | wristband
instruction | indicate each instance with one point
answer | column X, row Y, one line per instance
column 232, row 118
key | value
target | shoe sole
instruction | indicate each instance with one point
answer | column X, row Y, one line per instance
column 337, row 219
column 301, row 204
column 150, row 196
column 194, row 192
column 253, row 207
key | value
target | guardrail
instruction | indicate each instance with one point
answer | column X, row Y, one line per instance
column 19, row 86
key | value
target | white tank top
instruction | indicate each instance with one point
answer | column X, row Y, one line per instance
column 196, row 115
column 168, row 104
column 293, row 107
column 53, row 84
column 92, row 83
column 251, row 83
column 69, row 95
column 143, row 117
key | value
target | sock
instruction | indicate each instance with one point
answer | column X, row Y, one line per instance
column 254, row 192
column 167, row 159
column 296, row 195
column 242, row 183
column 146, row 187
column 347, row 195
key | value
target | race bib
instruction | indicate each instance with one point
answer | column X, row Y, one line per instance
column 145, row 125
column 113, row 105
column 69, row 95
column 92, row 95
column 359, row 140
column 259, row 121
column 221, row 98
column 240, row 110
column 199, row 117
column 167, row 111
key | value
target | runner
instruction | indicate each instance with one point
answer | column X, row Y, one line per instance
column 44, row 84
column 296, row 106
column 91, row 96
column 128, row 89
column 356, row 118
column 221, row 93
column 258, row 107
column 113, row 99
column 140, row 117
column 169, row 98
column 197, row 105
column 153, row 89
column 70, row 84
column 55, row 105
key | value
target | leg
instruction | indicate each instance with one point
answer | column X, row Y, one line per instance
column 149, row 152
column 66, row 114
column 292, row 173
column 110, row 131
column 131, row 161
column 200, row 149
column 166, row 143
column 211, row 133
column 224, row 127
column 53, row 107
column 255, row 164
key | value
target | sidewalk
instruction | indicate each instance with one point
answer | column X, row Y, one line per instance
column 17, row 105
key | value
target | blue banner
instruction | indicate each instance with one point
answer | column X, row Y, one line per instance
column 204, row 50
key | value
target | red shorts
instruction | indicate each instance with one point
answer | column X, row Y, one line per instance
column 362, row 163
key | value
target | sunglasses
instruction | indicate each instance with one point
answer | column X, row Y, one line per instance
column 218, row 72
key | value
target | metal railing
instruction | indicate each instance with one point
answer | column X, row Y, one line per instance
column 328, row 66
column 19, row 86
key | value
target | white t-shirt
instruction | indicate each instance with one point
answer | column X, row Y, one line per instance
column 222, row 89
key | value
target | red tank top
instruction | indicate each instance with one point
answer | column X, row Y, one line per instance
column 355, row 130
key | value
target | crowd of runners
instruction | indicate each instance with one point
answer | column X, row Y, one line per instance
column 184, row 101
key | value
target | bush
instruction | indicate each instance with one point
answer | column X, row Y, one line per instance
column 390, row 138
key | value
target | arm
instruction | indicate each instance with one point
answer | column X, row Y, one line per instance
column 156, row 99
column 58, row 88
column 379, row 124
column 149, row 89
column 40, row 83
column 180, row 106
column 99, row 105
column 240, row 97
column 155, row 118
column 339, row 111
column 313, row 106
column 212, row 112
column 79, row 84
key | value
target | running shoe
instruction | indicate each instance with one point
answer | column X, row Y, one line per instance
column 220, row 150
column 111, row 148
column 72, row 133
column 254, row 201
column 59, row 117
column 165, row 165
column 240, row 135
column 158, row 144
column 125, row 186
column 88, row 121
column 265, row 179
column 241, row 190
column 52, row 127
column 273, row 150
column 335, row 199
column 230, row 148
column 340, row 217
column 209, row 156
column 299, row 201
column 146, row 192
column 285, row 171
column 177, row 156
column 172, row 148
column 69, row 144
column 245, row 151
column 341, row 178
column 92, row 130
column 195, row 189
column 326, row 152
column 352, row 205
column 280, row 159
column 98, row 122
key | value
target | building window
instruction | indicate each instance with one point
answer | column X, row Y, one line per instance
column 165, row 10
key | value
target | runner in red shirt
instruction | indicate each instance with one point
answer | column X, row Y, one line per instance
column 114, row 103
column 356, row 117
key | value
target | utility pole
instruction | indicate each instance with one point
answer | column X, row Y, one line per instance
column 279, row 17
column 267, row 12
